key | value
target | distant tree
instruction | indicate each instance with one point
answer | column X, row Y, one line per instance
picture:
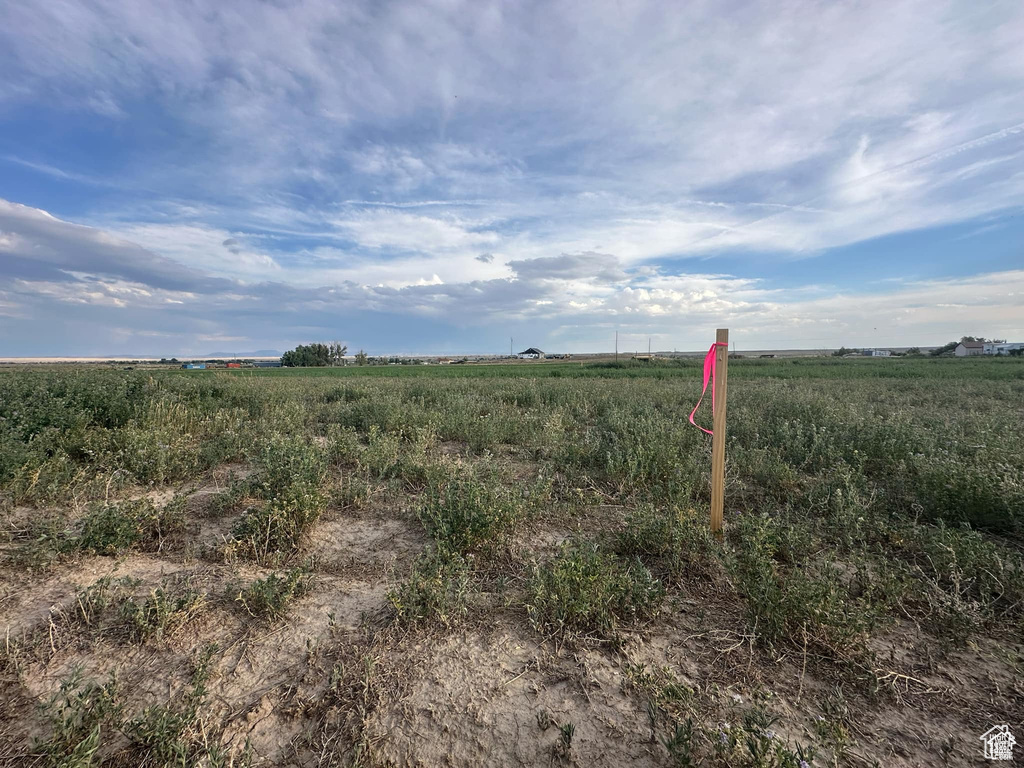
column 913, row 352
column 307, row 356
column 361, row 358
column 843, row 351
column 336, row 352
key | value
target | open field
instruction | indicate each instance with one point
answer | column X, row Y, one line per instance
column 510, row 565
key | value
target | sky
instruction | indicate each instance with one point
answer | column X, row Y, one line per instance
column 455, row 177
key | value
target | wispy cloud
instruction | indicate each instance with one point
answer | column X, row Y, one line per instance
column 463, row 160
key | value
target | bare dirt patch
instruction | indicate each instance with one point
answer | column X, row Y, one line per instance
column 501, row 699
column 374, row 545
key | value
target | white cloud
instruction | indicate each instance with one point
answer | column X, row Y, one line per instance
column 100, row 291
column 385, row 228
column 211, row 250
column 466, row 159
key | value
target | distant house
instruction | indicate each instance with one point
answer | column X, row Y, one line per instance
column 969, row 348
column 531, row 354
column 194, row 366
column 877, row 353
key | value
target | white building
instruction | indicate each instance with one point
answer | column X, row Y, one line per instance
column 1002, row 347
column 969, row 349
column 877, row 353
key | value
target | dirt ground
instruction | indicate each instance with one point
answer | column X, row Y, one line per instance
column 338, row 683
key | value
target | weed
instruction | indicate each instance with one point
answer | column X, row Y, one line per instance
column 680, row 745
column 92, row 602
column 78, row 713
column 585, row 590
column 464, row 514
column 675, row 544
column 566, row 733
column 170, row 734
column 436, row 589
column 163, row 612
column 285, row 462
column 969, row 582
column 231, row 498
column 269, row 597
column 665, row 692
column 39, row 543
column 810, row 603
column 275, row 529
column 111, row 528
column 833, row 726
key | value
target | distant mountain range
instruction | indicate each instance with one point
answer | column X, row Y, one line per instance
column 257, row 353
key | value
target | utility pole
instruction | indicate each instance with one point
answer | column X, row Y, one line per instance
column 648, row 346
column 510, row 343
column 616, row 346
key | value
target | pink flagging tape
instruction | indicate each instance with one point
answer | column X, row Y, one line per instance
column 709, row 375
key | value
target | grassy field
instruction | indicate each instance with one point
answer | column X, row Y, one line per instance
column 510, row 565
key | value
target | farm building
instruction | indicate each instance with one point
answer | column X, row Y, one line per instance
column 1002, row 347
column 194, row 366
column 531, row 354
column 969, row 348
column 877, row 353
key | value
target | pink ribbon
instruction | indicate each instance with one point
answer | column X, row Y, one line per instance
column 709, row 375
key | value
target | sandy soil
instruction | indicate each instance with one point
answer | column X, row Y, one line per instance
column 337, row 680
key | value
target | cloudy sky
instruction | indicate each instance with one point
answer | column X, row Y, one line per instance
column 439, row 176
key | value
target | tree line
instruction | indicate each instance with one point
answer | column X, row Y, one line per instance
column 319, row 355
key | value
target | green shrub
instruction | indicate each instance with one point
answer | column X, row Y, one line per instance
column 289, row 477
column 435, row 590
column 676, row 544
column 965, row 581
column 463, row 514
column 811, row 602
column 275, row 528
column 986, row 494
column 283, row 462
column 382, row 456
column 111, row 528
column 269, row 597
column 585, row 590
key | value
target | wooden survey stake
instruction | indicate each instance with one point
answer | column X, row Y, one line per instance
column 718, row 428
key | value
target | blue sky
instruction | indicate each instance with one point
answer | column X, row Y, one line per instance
column 439, row 176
